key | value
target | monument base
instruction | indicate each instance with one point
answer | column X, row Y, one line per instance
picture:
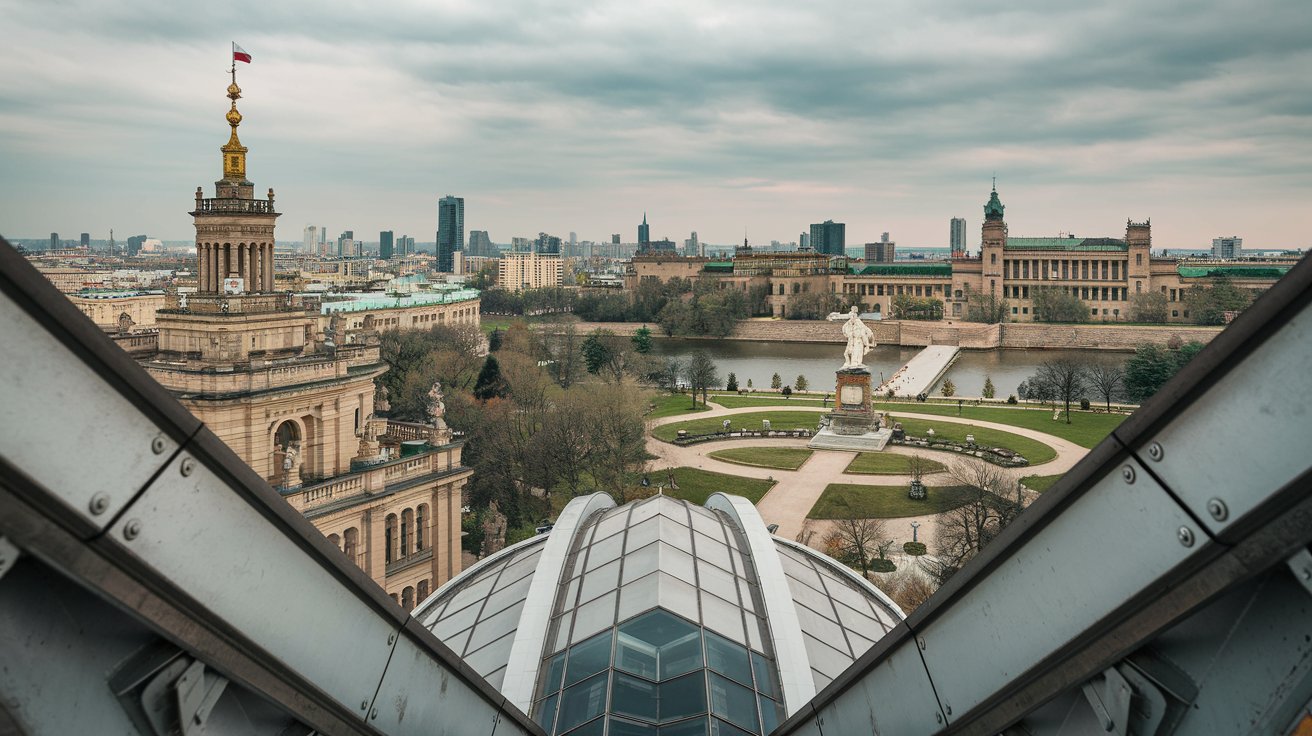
column 872, row 441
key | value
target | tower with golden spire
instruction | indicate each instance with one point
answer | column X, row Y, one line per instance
column 234, row 230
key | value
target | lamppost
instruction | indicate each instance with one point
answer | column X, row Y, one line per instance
column 915, row 531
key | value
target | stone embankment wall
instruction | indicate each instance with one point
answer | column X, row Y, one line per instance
column 969, row 335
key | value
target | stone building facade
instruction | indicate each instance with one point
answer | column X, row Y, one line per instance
column 116, row 310
column 252, row 363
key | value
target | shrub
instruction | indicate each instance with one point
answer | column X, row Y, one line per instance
column 787, row 391
column 1011, row 399
column 1084, row 404
column 915, row 548
column 880, row 565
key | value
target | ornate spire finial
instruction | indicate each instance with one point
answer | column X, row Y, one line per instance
column 234, row 153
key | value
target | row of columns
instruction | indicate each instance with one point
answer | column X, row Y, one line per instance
column 250, row 261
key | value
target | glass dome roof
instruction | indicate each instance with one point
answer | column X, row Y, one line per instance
column 658, row 617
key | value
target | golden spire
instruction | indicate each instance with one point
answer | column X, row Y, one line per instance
column 234, row 153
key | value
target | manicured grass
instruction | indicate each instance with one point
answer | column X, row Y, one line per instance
column 1040, row 483
column 1086, row 428
column 1033, row 450
column 783, row 458
column 881, row 463
column 697, row 485
column 752, row 420
column 672, row 405
column 734, row 401
column 844, row 500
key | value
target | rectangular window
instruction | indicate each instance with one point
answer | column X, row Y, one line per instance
column 1104, row 271
column 1024, row 310
column 1104, row 297
column 1084, row 270
column 1084, row 293
column 1065, row 269
column 1138, row 259
column 993, row 259
column 1172, row 293
column 1025, row 292
column 881, row 290
column 1026, row 270
column 1014, row 310
column 1138, row 287
column 1175, row 313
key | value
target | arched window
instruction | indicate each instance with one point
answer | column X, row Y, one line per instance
column 408, row 598
column 336, row 540
column 389, row 537
column 351, row 543
column 423, row 590
column 421, row 527
column 407, row 531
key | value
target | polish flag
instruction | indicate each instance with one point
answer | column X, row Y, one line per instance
column 239, row 54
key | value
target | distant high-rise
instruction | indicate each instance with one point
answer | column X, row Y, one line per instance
column 881, row 252
column 311, row 238
column 957, row 237
column 85, row 241
column 615, row 238
column 385, row 241
column 1228, row 248
column 405, row 246
column 573, row 238
column 323, row 240
column 804, row 241
column 450, row 231
column 346, row 243
column 134, row 244
column 644, row 231
column 480, row 244
column 883, row 238
column 829, row 237
column 54, row 241
column 547, row 245
column 692, row 246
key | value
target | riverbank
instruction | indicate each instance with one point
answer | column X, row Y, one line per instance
column 966, row 335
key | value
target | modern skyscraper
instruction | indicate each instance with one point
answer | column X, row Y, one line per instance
column 804, row 241
column 85, row 241
column 692, row 247
column 134, row 244
column 346, row 243
column 405, row 246
column 615, row 238
column 54, row 241
column 547, row 245
column 450, row 231
column 829, row 237
column 385, row 240
column 957, row 236
column 310, row 241
column 480, row 244
column 644, row 231
column 881, row 252
column 323, row 240
column 1228, row 248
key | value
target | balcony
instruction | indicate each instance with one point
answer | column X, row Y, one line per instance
column 414, row 558
column 234, row 206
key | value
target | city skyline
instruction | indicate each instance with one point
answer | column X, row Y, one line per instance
column 552, row 121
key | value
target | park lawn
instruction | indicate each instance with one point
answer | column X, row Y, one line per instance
column 734, row 401
column 1033, row 450
column 880, row 463
column 672, row 405
column 752, row 420
column 845, row 500
column 696, row 485
column 1086, row 428
column 1040, row 483
column 783, row 458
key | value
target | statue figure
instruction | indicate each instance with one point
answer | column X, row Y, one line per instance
column 291, row 464
column 381, row 404
column 859, row 341
column 440, row 434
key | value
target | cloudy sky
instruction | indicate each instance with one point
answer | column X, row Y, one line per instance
column 712, row 115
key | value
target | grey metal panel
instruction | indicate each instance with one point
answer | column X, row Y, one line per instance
column 206, row 539
column 893, row 699
column 1272, row 391
column 66, row 431
column 1112, row 542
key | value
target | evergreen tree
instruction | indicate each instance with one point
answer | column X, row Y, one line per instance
column 776, row 381
column 490, row 384
column 494, row 340
column 642, row 340
column 801, row 383
column 989, row 391
column 949, row 388
column 749, row 383
column 731, row 383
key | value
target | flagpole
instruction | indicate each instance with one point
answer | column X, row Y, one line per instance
column 234, row 62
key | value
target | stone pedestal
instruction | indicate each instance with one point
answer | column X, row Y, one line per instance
column 852, row 425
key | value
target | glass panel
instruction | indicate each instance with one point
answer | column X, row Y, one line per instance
column 640, row 535
column 694, row 727
column 602, row 580
column 514, row 593
column 604, row 551
column 614, row 522
column 733, row 702
column 748, row 592
column 717, row 581
column 673, row 532
column 457, row 641
column 492, row 656
column 755, row 635
column 639, row 595
column 658, row 646
column 639, row 562
column 819, row 624
column 766, row 681
column 633, row 697
column 771, row 714
column 677, row 596
column 672, row 510
column 821, row 680
column 720, row 728
column 620, row 727
column 728, row 658
column 545, row 711
column 560, row 627
column 495, row 678
column 676, row 562
column 496, row 626
column 581, row 702
column 824, row 657
column 549, row 681
column 458, row 621
column 707, row 523
column 682, row 697
column 591, row 656
column 642, row 511
column 474, row 591
column 712, row 551
column 521, row 567
column 590, row 618
column 856, row 619
column 596, row 728
column 571, row 591
column 723, row 616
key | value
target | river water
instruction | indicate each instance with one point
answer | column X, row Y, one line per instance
column 818, row 362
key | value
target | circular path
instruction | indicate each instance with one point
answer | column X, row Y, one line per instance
column 796, row 491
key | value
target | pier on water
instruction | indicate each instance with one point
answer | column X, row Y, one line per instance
column 921, row 372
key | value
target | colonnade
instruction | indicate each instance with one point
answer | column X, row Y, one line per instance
column 250, row 261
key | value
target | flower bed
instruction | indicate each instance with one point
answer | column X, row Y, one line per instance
column 996, row 455
column 737, row 434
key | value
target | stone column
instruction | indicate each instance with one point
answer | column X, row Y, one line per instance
column 249, row 271
column 214, row 266
column 201, row 250
column 268, row 249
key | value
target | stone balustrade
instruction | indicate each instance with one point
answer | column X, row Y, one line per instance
column 193, row 377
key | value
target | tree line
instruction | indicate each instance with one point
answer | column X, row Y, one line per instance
column 1066, row 381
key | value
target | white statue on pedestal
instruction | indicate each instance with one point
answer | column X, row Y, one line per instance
column 859, row 341
column 440, row 434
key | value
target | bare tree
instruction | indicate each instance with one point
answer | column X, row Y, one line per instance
column 701, row 375
column 1063, row 380
column 859, row 539
column 992, row 501
column 1107, row 380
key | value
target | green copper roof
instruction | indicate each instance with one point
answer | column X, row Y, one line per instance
column 718, row 266
column 1067, row 244
column 993, row 210
column 906, row 269
column 1236, row 272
